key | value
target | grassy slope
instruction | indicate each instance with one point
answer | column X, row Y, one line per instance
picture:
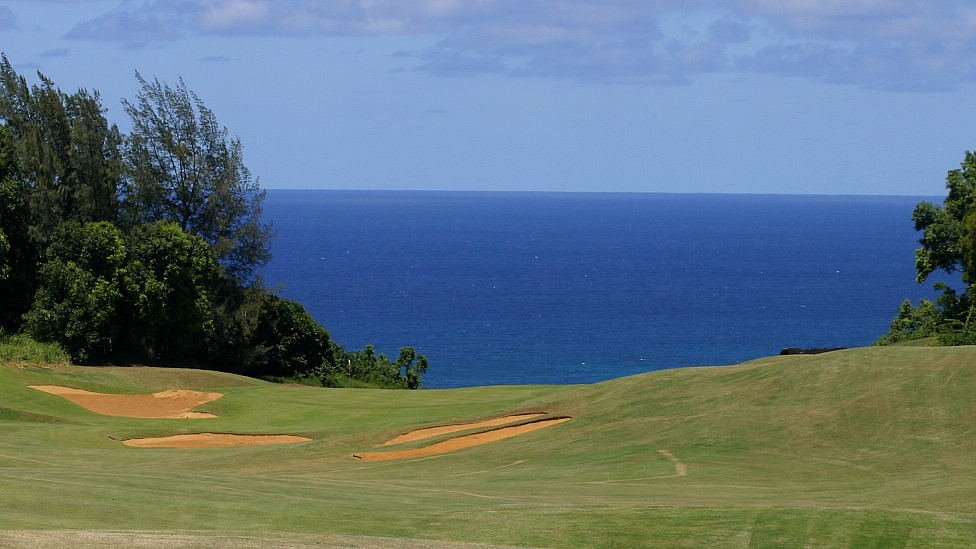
column 868, row 447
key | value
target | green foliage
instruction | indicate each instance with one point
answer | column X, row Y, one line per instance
column 18, row 254
column 291, row 342
column 183, row 167
column 63, row 148
column 102, row 295
column 7, row 206
column 378, row 370
column 411, row 367
column 237, row 311
column 22, row 349
column 285, row 342
column 940, row 240
column 79, row 289
column 169, row 274
column 367, row 366
column 948, row 243
column 949, row 231
column 59, row 161
column 263, row 335
column 913, row 322
column 957, row 333
column 146, row 247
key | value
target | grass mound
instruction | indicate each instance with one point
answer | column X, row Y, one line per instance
column 863, row 447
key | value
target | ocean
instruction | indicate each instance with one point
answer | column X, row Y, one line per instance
column 540, row 288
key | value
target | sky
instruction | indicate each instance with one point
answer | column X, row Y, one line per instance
column 736, row 96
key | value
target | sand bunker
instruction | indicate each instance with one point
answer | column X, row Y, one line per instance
column 463, row 441
column 212, row 440
column 166, row 404
column 430, row 432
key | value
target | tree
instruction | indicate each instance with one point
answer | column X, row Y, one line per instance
column 948, row 243
column 168, row 279
column 378, row 370
column 949, row 231
column 63, row 149
column 412, row 366
column 913, row 322
column 101, row 294
column 237, row 312
column 18, row 252
column 59, row 161
column 79, row 289
column 7, row 207
column 293, row 343
column 182, row 167
column 146, row 247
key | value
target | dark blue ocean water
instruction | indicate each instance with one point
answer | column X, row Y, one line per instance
column 512, row 288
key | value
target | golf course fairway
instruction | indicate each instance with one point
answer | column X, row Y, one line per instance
column 870, row 447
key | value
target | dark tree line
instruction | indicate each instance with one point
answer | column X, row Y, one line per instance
column 146, row 246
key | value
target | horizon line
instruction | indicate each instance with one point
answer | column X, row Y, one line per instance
column 536, row 191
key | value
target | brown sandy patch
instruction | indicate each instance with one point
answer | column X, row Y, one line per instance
column 163, row 405
column 212, row 440
column 462, row 442
column 680, row 469
column 430, row 432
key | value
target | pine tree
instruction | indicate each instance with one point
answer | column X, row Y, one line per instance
column 183, row 167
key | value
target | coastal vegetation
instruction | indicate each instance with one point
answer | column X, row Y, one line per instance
column 147, row 246
column 948, row 244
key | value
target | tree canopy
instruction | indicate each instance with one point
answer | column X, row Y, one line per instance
column 183, row 167
column 949, row 231
column 18, row 253
column 948, row 244
column 146, row 246
column 63, row 149
column 168, row 281
column 80, row 289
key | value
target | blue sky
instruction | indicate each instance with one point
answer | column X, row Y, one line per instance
column 755, row 96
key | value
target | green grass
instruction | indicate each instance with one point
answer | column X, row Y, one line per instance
column 872, row 447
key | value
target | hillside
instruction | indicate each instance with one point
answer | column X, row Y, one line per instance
column 864, row 447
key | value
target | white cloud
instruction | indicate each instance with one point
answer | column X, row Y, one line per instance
column 234, row 14
column 888, row 44
column 131, row 28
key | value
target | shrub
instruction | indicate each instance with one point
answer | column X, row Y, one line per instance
column 22, row 349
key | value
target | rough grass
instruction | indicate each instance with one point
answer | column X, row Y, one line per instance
column 19, row 349
column 931, row 341
column 867, row 447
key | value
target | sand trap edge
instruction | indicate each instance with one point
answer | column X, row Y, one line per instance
column 213, row 440
column 430, row 432
column 463, row 441
column 157, row 405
